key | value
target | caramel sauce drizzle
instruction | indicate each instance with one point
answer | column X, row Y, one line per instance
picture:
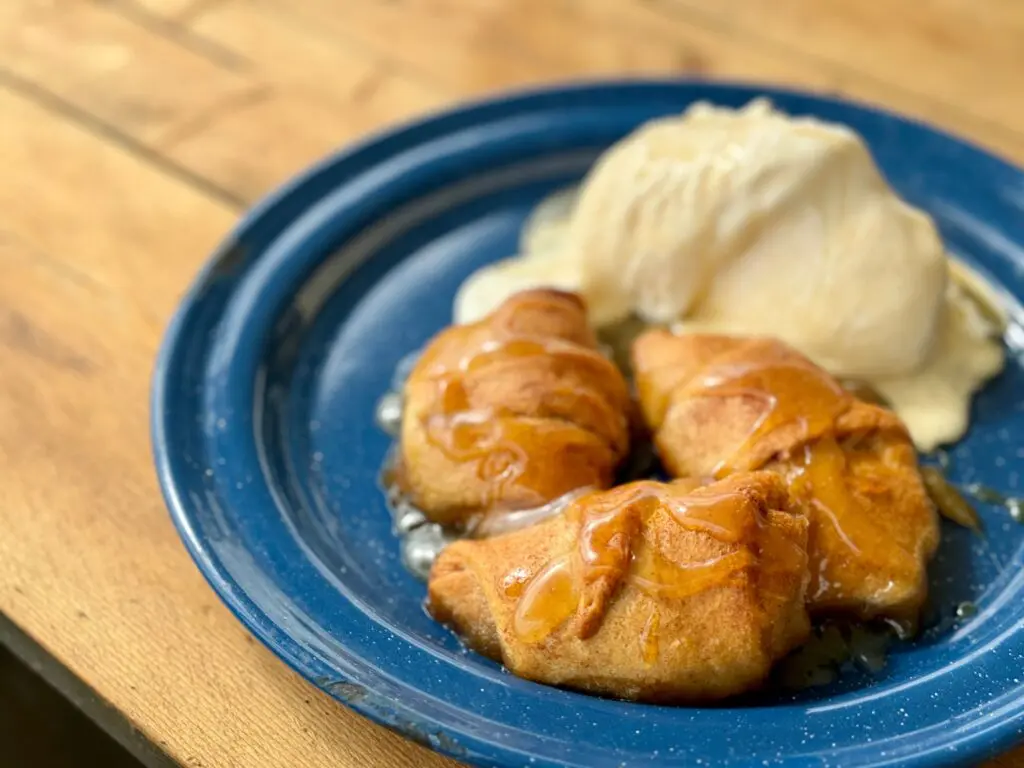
column 794, row 392
column 649, row 640
column 611, row 544
column 485, row 435
column 549, row 600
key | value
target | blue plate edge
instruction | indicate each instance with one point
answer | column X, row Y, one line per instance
column 224, row 585
column 209, row 564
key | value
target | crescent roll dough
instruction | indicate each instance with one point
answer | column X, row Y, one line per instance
column 649, row 591
column 512, row 412
column 719, row 405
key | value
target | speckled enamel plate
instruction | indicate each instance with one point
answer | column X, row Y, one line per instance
column 268, row 454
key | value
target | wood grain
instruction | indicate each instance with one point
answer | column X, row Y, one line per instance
column 510, row 43
column 131, row 134
column 242, row 149
column 111, row 66
column 169, row 9
column 966, row 53
column 284, row 54
column 89, row 562
column 106, row 215
column 317, row 94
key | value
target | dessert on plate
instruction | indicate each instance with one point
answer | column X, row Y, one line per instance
column 668, row 592
column 720, row 404
column 756, row 279
column 511, row 412
column 752, row 222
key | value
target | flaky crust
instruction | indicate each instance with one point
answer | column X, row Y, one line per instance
column 619, row 639
column 512, row 412
column 884, row 574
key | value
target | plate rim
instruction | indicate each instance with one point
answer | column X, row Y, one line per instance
column 208, row 562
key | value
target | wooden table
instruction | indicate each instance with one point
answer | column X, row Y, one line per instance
column 134, row 132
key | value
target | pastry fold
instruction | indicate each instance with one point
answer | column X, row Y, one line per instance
column 717, row 405
column 511, row 412
column 651, row 591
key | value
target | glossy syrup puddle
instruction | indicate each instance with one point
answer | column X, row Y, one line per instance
column 420, row 541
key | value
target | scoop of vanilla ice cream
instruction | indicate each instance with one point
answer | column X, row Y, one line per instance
column 935, row 399
column 488, row 287
column 547, row 227
column 543, row 263
column 754, row 222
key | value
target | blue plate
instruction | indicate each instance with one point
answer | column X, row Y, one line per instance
column 267, row 451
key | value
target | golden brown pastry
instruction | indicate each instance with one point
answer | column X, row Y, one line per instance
column 719, row 404
column 650, row 591
column 512, row 412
